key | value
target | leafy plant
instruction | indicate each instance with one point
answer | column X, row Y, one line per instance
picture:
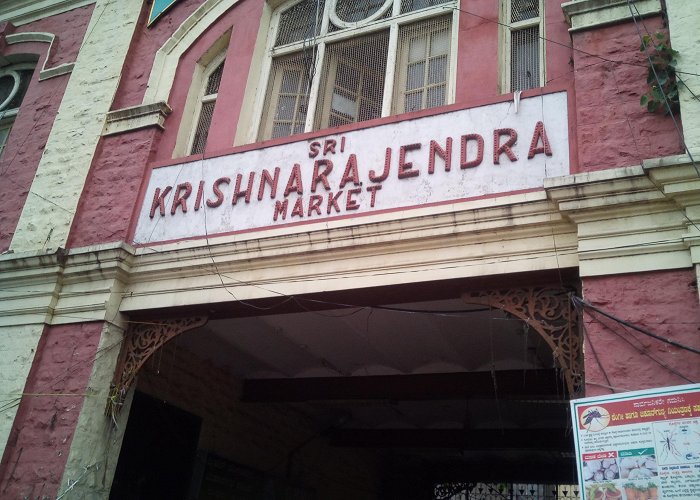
column 661, row 76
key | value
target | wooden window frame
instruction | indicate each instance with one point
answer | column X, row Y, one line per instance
column 260, row 130
column 507, row 29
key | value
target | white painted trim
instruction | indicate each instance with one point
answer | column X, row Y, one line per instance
column 315, row 86
column 590, row 14
column 390, row 77
column 165, row 64
column 20, row 12
column 351, row 25
column 44, row 73
column 61, row 69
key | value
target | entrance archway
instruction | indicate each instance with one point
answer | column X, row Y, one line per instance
column 422, row 394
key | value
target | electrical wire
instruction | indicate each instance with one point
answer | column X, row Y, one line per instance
column 583, row 303
column 642, row 351
column 595, row 356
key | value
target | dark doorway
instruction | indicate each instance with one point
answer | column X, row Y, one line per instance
column 158, row 452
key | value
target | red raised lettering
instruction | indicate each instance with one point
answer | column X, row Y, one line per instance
column 333, row 202
column 182, row 192
column 266, row 178
column 373, row 189
column 539, row 134
column 237, row 193
column 351, row 174
column 294, row 182
column 159, row 201
column 463, row 162
column 321, row 176
column 445, row 154
column 315, row 201
column 314, row 149
column 387, row 163
column 406, row 167
column 280, row 209
column 329, row 146
column 298, row 210
column 200, row 193
column 350, row 203
column 499, row 149
column 217, row 192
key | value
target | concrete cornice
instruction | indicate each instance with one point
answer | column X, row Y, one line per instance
column 63, row 286
column 20, row 12
column 631, row 219
column 511, row 234
column 136, row 117
column 591, row 14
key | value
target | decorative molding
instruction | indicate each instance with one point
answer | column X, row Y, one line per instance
column 136, row 117
column 162, row 76
column 552, row 314
column 141, row 341
column 631, row 219
column 61, row 69
column 20, row 12
column 63, row 286
column 509, row 234
column 45, row 73
column 589, row 14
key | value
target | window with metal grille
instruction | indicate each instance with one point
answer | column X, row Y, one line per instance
column 206, row 109
column 337, row 62
column 424, row 55
column 287, row 95
column 523, row 68
column 14, row 82
column 353, row 86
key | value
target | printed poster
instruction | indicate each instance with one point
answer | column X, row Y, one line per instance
column 642, row 445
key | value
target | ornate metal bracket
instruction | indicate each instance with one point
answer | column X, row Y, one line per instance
column 552, row 314
column 141, row 341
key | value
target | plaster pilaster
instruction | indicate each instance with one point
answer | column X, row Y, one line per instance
column 55, row 191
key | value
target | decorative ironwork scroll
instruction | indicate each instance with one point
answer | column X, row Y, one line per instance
column 142, row 340
column 552, row 314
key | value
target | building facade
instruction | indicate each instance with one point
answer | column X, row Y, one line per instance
column 337, row 249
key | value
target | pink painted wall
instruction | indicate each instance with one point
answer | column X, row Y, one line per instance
column 558, row 54
column 663, row 302
column 477, row 52
column 243, row 20
column 105, row 208
column 478, row 74
column 30, row 131
column 69, row 28
column 119, row 166
column 144, row 45
column 613, row 129
column 37, row 448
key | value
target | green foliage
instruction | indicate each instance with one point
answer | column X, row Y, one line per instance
column 661, row 76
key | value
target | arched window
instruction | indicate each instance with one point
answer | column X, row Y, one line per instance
column 205, row 105
column 14, row 81
column 335, row 62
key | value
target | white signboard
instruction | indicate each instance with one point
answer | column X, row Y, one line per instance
column 642, row 445
column 396, row 166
